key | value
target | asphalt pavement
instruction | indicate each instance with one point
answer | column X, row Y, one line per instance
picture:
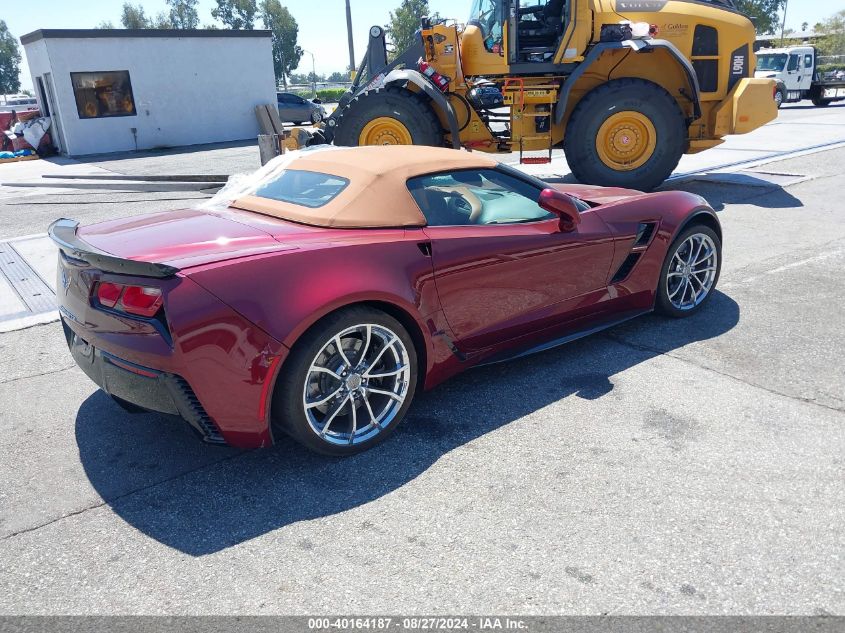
column 662, row 467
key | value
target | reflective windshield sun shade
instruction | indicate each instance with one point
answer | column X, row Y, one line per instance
column 306, row 188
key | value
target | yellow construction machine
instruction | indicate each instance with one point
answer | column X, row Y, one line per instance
column 626, row 87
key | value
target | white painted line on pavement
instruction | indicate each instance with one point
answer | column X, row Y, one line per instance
column 785, row 267
column 754, row 162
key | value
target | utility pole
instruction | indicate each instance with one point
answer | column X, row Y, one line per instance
column 313, row 72
column 351, row 43
column 783, row 24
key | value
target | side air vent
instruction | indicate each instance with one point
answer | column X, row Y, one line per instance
column 644, row 233
column 626, row 268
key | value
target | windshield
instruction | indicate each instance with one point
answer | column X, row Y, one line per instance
column 771, row 61
column 487, row 15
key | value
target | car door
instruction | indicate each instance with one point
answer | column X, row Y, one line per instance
column 285, row 111
column 502, row 266
column 792, row 76
column 806, row 80
column 302, row 112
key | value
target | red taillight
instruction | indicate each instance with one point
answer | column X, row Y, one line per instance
column 138, row 300
column 108, row 293
column 141, row 300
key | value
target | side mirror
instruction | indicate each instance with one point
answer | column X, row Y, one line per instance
column 561, row 205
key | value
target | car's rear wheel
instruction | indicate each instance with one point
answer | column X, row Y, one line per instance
column 690, row 272
column 347, row 383
column 316, row 117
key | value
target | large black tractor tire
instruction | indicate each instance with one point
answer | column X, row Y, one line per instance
column 398, row 117
column 648, row 117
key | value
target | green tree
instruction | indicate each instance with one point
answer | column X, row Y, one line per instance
column 337, row 77
column 183, row 14
column 286, row 53
column 236, row 14
column 10, row 61
column 833, row 30
column 765, row 13
column 105, row 24
column 405, row 22
column 134, row 17
column 161, row 21
column 805, row 26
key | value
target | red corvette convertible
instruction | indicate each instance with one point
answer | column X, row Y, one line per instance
column 320, row 296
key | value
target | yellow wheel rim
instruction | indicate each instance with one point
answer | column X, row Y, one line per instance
column 385, row 131
column 626, row 140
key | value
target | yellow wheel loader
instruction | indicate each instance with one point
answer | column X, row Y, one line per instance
column 626, row 87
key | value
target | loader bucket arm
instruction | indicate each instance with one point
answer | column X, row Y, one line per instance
column 373, row 67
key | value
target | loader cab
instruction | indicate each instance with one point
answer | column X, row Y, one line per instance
column 519, row 31
column 539, row 27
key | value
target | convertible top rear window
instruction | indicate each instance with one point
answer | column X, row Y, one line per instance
column 306, row 188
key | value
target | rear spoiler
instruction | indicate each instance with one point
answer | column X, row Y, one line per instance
column 63, row 233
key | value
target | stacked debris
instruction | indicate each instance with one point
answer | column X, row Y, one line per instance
column 24, row 136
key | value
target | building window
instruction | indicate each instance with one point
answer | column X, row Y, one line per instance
column 103, row 94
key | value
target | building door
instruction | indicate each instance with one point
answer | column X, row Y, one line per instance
column 47, row 96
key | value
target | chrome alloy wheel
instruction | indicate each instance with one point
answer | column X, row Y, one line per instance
column 692, row 271
column 356, row 384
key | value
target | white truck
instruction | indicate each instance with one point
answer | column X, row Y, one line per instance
column 795, row 69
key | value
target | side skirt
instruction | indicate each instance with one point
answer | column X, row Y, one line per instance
column 574, row 336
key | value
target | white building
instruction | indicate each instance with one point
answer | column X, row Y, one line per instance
column 117, row 90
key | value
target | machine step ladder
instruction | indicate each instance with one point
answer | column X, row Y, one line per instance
column 540, row 101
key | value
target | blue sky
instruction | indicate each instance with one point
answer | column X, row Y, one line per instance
column 322, row 23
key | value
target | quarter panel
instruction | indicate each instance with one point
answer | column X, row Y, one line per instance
column 286, row 293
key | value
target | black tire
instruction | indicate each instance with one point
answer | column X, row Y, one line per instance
column 316, row 117
column 664, row 304
column 619, row 95
column 780, row 97
column 288, row 410
column 821, row 103
column 411, row 109
column 297, row 122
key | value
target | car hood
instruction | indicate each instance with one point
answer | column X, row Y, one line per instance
column 598, row 195
column 189, row 237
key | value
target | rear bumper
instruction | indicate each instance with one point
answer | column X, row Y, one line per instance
column 143, row 387
column 198, row 359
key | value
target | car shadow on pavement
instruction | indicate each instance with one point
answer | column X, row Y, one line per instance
column 200, row 499
column 722, row 189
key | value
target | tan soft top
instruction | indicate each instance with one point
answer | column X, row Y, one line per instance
column 377, row 194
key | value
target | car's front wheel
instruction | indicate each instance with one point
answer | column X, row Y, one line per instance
column 347, row 383
column 316, row 117
column 690, row 272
